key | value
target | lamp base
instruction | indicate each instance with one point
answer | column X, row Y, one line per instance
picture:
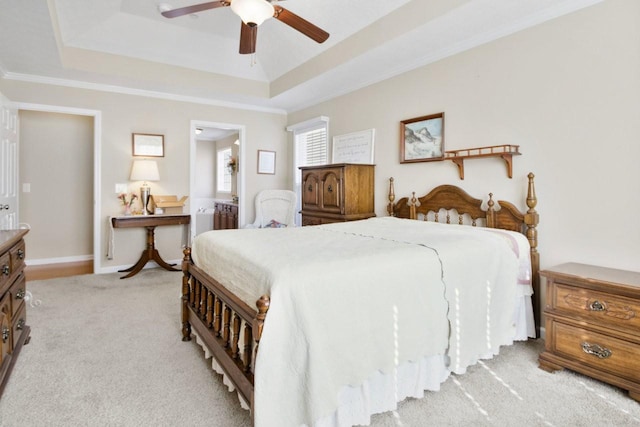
column 145, row 193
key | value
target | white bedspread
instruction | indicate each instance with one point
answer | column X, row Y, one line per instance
column 352, row 299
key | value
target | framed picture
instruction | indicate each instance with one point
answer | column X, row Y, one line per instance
column 356, row 147
column 422, row 139
column 267, row 162
column 148, row 145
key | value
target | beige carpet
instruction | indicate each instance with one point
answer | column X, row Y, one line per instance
column 108, row 352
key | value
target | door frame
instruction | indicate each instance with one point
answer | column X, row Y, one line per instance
column 192, row 168
column 97, row 143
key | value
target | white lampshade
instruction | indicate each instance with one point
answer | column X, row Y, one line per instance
column 252, row 11
column 144, row 170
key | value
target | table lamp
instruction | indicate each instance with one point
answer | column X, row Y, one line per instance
column 144, row 170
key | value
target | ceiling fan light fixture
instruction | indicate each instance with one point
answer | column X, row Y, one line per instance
column 252, row 12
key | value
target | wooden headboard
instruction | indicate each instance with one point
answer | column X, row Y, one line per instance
column 456, row 201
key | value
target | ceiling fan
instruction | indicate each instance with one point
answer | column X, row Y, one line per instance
column 254, row 13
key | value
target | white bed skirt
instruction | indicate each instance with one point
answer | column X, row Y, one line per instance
column 382, row 392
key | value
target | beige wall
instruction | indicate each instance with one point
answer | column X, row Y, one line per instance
column 205, row 185
column 566, row 91
column 124, row 114
column 56, row 161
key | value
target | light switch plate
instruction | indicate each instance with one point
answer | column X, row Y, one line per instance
column 121, row 188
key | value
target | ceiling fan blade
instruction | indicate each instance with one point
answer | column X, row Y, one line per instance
column 300, row 24
column 248, row 37
column 188, row 10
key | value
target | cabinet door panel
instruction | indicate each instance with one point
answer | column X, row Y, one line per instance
column 332, row 191
column 310, row 193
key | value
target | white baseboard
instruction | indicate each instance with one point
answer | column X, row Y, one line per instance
column 59, row 260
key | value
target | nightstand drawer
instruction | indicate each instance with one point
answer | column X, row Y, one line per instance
column 601, row 307
column 605, row 353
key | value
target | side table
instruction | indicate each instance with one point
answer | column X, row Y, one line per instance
column 150, row 222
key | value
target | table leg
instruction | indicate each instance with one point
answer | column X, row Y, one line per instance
column 149, row 254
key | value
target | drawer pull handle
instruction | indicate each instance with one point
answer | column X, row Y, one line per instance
column 20, row 324
column 20, row 254
column 330, row 189
column 597, row 306
column 309, row 188
column 5, row 270
column 596, row 350
column 20, row 294
column 5, row 334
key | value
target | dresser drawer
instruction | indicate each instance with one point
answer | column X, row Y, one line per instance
column 5, row 269
column 18, row 323
column 593, row 306
column 17, row 255
column 17, row 293
column 5, row 327
column 602, row 352
column 319, row 220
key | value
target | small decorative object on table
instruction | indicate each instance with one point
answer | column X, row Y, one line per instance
column 127, row 201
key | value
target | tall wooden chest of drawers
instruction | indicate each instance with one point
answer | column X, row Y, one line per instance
column 592, row 321
column 14, row 332
column 337, row 193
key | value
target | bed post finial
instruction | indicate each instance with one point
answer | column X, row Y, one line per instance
column 392, row 197
column 262, row 304
column 531, row 220
column 491, row 213
column 186, row 326
column 412, row 206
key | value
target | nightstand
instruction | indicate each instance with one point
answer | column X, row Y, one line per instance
column 592, row 321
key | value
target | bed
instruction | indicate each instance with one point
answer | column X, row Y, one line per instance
column 326, row 325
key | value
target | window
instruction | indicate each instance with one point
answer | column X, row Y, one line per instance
column 310, row 148
column 223, row 172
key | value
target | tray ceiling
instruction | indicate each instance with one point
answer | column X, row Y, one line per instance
column 126, row 45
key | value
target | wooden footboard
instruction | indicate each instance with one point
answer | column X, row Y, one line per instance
column 227, row 326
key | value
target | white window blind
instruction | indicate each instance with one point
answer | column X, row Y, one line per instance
column 311, row 148
column 314, row 147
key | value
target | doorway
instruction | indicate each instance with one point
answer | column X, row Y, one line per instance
column 206, row 138
column 87, row 261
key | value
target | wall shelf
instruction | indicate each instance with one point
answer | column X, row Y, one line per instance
column 506, row 152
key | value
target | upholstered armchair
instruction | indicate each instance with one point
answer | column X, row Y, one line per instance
column 274, row 208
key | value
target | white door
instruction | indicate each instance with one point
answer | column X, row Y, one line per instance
column 8, row 165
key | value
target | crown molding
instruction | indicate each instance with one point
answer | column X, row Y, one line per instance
column 30, row 78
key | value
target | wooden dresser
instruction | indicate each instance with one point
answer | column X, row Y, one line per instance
column 593, row 324
column 337, row 193
column 14, row 332
column 225, row 215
